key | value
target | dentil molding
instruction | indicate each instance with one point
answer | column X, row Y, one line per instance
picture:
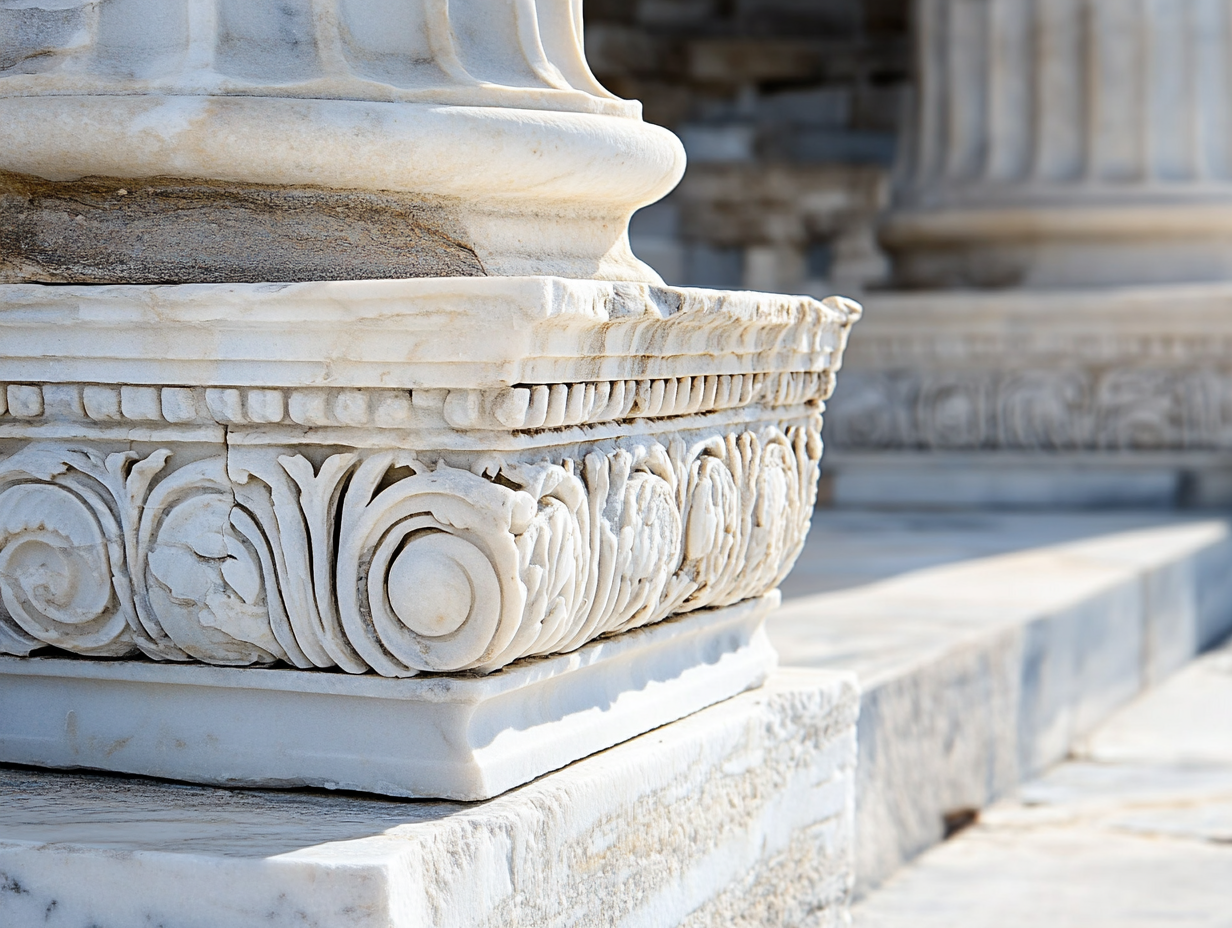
column 407, row 529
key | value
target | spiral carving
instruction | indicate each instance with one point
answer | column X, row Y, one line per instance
column 427, row 579
column 379, row 562
column 56, row 570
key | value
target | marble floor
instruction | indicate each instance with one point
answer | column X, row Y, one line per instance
column 850, row 548
column 1135, row 830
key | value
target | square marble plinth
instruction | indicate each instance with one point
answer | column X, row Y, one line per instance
column 449, row 737
column 739, row 815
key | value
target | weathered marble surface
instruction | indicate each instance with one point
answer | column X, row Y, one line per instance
column 739, row 815
column 475, row 472
column 1132, row 833
column 468, row 52
column 989, row 644
column 395, row 478
column 306, row 140
column 441, row 736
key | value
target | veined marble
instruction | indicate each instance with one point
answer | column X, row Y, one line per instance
column 739, row 815
column 465, row 737
column 351, row 370
column 412, row 496
column 225, row 140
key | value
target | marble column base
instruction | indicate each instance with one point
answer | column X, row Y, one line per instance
column 421, row 480
column 1094, row 397
column 456, row 737
column 738, row 815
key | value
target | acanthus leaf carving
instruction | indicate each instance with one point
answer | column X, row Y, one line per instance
column 1077, row 409
column 63, row 543
column 201, row 577
column 384, row 562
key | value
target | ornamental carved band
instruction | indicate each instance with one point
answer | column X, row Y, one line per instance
column 382, row 561
column 1120, row 408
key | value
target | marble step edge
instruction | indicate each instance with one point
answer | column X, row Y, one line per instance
column 465, row 737
column 740, row 814
column 978, row 675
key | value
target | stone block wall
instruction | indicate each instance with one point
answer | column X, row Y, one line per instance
column 789, row 111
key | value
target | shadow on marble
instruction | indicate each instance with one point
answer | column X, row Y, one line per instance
column 1134, row 832
column 853, row 547
column 988, row 645
column 178, row 818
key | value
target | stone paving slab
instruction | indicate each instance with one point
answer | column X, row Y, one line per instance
column 989, row 644
column 1136, row 831
column 1187, row 720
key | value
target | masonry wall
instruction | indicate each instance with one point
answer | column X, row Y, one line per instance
column 789, row 111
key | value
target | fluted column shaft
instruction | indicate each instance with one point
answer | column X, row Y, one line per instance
column 228, row 141
column 1106, row 123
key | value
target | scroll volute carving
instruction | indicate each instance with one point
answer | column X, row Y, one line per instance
column 380, row 562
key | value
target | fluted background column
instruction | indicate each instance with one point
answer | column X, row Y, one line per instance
column 1068, row 142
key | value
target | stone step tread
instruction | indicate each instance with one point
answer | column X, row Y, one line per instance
column 738, row 814
column 1136, row 830
column 989, row 644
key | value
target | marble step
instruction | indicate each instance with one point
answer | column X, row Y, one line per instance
column 1134, row 832
column 738, row 815
column 988, row 644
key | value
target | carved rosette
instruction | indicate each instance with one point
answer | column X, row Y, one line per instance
column 383, row 562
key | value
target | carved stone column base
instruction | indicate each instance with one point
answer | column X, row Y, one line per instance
column 361, row 482
column 460, row 737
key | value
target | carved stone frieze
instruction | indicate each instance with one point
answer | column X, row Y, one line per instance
column 1129, row 408
column 383, row 561
column 506, row 469
column 1136, row 369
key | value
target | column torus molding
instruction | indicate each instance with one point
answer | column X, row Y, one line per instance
column 227, row 141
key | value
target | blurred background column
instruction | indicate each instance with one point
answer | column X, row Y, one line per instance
column 1067, row 143
column 1058, row 331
